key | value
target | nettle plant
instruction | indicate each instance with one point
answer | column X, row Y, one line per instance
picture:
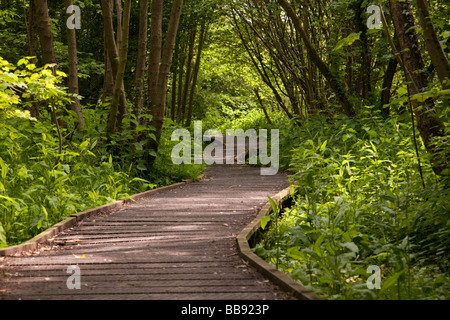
column 359, row 201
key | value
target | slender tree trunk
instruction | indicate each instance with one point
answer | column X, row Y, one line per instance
column 44, row 31
column 202, row 38
column 155, row 49
column 108, row 84
column 180, row 110
column 190, row 58
column 31, row 32
column 118, row 82
column 119, row 11
column 141, row 56
column 258, row 96
column 32, row 47
column 174, row 95
column 158, row 108
column 365, row 70
column 433, row 45
column 117, row 111
column 387, row 85
column 73, row 73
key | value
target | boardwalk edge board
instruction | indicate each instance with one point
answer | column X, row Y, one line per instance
column 33, row 243
column 281, row 279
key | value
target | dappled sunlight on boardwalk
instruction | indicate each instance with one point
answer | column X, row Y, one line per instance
column 178, row 244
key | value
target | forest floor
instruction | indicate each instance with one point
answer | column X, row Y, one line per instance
column 177, row 244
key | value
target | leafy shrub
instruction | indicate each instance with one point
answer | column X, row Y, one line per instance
column 359, row 202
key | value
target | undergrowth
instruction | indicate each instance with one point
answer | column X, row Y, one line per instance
column 48, row 174
column 359, row 201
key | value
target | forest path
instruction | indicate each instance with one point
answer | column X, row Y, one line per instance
column 177, row 244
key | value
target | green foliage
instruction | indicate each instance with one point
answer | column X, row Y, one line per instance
column 43, row 181
column 360, row 202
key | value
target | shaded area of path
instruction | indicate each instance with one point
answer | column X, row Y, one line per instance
column 178, row 244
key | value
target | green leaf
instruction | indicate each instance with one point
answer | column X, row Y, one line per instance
column 318, row 242
column 8, row 199
column 390, row 281
column 323, row 145
column 274, row 206
column 347, row 41
column 264, row 221
column 350, row 245
column 84, row 145
column 3, row 167
column 45, row 213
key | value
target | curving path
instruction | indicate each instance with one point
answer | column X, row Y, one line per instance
column 176, row 244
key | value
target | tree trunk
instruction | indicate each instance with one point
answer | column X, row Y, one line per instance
column 434, row 48
column 365, row 70
column 32, row 47
column 142, row 53
column 190, row 58
column 155, row 49
column 174, row 95
column 119, row 13
column 44, row 31
column 73, row 73
column 201, row 42
column 118, row 82
column 181, row 61
column 158, row 107
column 387, row 85
column 258, row 96
column 108, row 84
column 174, row 83
column 428, row 122
column 118, row 111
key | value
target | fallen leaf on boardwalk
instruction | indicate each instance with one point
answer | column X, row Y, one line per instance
column 225, row 224
column 79, row 257
column 73, row 240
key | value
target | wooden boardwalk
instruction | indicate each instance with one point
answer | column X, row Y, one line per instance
column 178, row 244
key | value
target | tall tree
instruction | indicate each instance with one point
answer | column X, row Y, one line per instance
column 410, row 58
column 156, row 34
column 187, row 80
column 44, row 31
column 113, row 121
column 141, row 56
column 118, row 107
column 30, row 24
column 158, row 100
column 73, row 72
column 201, row 42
